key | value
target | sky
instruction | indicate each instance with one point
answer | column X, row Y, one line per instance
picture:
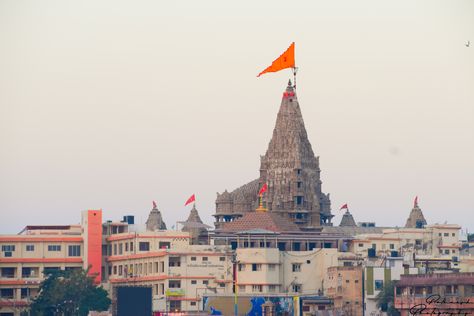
column 112, row 104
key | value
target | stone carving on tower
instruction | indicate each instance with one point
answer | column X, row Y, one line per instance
column 155, row 220
column 291, row 171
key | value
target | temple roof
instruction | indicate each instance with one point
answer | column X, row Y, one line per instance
column 416, row 218
column 155, row 220
column 194, row 220
column 347, row 220
column 262, row 221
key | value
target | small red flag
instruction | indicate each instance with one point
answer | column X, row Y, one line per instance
column 154, row 204
column 191, row 199
column 344, row 207
column 263, row 189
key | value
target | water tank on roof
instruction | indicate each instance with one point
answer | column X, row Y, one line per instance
column 129, row 219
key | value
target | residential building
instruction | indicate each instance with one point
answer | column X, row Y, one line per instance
column 26, row 258
column 437, row 293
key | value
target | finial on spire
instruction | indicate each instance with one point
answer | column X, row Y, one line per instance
column 415, row 203
column 289, row 83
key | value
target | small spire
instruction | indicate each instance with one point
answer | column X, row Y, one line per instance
column 289, row 83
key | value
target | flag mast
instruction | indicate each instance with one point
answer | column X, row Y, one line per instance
column 295, row 70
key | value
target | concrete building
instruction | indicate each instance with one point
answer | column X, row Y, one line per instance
column 177, row 272
column 26, row 258
column 441, row 294
column 344, row 286
column 438, row 240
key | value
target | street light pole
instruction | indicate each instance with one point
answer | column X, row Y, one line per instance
column 235, row 262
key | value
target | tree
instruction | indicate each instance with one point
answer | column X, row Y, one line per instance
column 67, row 293
column 386, row 300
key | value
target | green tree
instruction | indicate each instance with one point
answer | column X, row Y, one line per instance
column 386, row 300
column 68, row 293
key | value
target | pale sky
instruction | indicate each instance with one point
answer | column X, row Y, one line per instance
column 113, row 104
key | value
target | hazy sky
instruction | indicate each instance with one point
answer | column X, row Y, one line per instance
column 113, row 104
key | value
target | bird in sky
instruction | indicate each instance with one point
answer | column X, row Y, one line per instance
column 468, row 43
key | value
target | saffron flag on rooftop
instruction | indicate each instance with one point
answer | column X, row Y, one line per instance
column 286, row 60
column 263, row 189
column 344, row 207
column 191, row 199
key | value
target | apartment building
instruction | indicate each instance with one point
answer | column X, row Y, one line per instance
column 178, row 273
column 344, row 286
column 26, row 258
column 438, row 293
column 435, row 240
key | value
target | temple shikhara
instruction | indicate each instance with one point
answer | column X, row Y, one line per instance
column 291, row 171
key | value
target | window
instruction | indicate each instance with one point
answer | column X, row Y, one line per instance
column 271, row 267
column 356, row 281
column 175, row 306
column 453, row 251
column 392, row 246
column 30, row 247
column 296, row 267
column 378, row 285
column 24, row 292
column 241, row 267
column 8, row 247
column 242, row 288
column 296, row 288
column 204, row 259
column 361, row 245
column 272, row 288
column 54, row 247
column 193, row 282
column 7, row 253
column 446, row 234
column 6, row 293
column 144, row 246
column 174, row 284
column 446, row 251
column 126, row 247
column 221, row 285
column 221, row 258
column 115, row 269
column 193, row 258
column 193, row 303
column 256, row 267
column 120, row 270
column 115, row 249
column 439, row 234
column 120, row 249
column 299, row 200
column 453, row 234
column 164, row 245
column 131, row 246
column 299, row 184
column 74, row 251
column 257, row 288
column 205, row 282
column 347, row 281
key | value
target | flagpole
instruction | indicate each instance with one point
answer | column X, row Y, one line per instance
column 295, row 70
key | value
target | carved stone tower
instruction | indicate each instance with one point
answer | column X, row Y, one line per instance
column 416, row 218
column 155, row 221
column 291, row 172
column 291, row 169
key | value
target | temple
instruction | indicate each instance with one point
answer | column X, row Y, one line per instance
column 291, row 171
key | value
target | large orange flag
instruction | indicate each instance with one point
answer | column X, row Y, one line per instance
column 286, row 60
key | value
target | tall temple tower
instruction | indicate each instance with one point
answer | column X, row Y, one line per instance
column 291, row 171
